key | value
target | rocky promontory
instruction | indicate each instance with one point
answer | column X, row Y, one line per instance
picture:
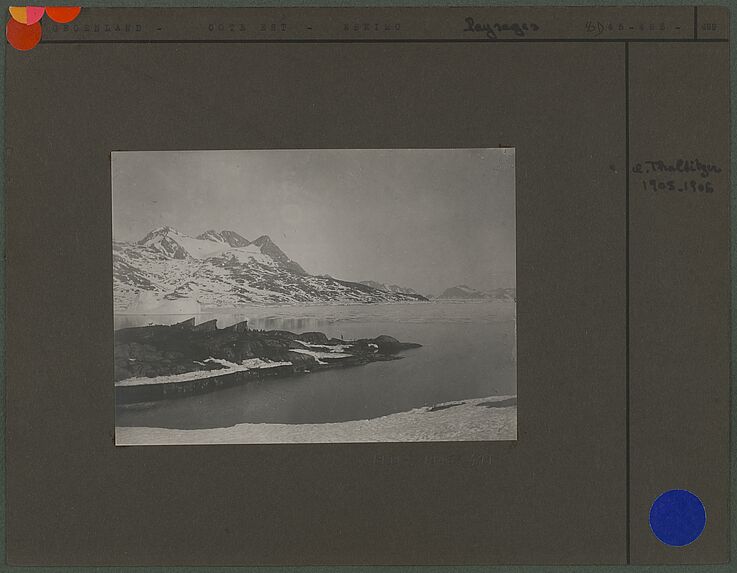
column 156, row 362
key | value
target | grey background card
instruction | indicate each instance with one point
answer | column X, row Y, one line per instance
column 623, row 289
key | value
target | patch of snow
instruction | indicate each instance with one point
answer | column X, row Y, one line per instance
column 259, row 363
column 229, row 368
column 318, row 354
column 470, row 420
column 326, row 347
column 222, row 362
column 250, row 253
column 248, row 363
column 199, row 248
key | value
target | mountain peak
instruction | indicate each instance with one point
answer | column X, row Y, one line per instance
column 158, row 232
column 176, row 245
column 211, row 235
column 160, row 240
column 163, row 230
column 269, row 247
column 222, row 268
column 263, row 240
column 227, row 237
column 234, row 239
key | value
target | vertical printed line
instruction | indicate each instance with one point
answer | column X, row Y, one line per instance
column 695, row 22
column 627, row 285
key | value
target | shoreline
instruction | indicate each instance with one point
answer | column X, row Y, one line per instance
column 493, row 418
column 236, row 309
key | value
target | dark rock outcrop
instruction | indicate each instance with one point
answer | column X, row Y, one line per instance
column 313, row 337
column 239, row 326
column 390, row 345
column 189, row 323
column 209, row 326
column 153, row 351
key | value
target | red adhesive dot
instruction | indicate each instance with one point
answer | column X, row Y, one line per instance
column 22, row 36
column 63, row 14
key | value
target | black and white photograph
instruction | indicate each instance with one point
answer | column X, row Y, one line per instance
column 314, row 296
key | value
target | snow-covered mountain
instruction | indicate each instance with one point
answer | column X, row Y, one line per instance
column 168, row 269
column 389, row 288
column 230, row 237
column 464, row 292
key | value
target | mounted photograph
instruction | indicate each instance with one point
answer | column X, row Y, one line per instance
column 314, row 296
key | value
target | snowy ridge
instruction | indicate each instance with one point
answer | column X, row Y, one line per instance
column 389, row 288
column 168, row 269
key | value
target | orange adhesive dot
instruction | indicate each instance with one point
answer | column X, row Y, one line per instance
column 63, row 14
column 26, row 14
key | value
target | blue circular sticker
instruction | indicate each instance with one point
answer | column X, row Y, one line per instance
column 677, row 517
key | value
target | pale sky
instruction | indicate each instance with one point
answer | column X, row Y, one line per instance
column 427, row 219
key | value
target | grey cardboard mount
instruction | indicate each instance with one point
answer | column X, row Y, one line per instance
column 623, row 281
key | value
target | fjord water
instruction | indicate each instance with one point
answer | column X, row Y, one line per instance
column 469, row 351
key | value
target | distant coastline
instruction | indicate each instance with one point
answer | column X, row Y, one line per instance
column 241, row 308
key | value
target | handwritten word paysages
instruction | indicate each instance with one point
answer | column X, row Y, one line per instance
column 493, row 31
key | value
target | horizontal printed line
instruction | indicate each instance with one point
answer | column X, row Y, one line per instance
column 390, row 41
